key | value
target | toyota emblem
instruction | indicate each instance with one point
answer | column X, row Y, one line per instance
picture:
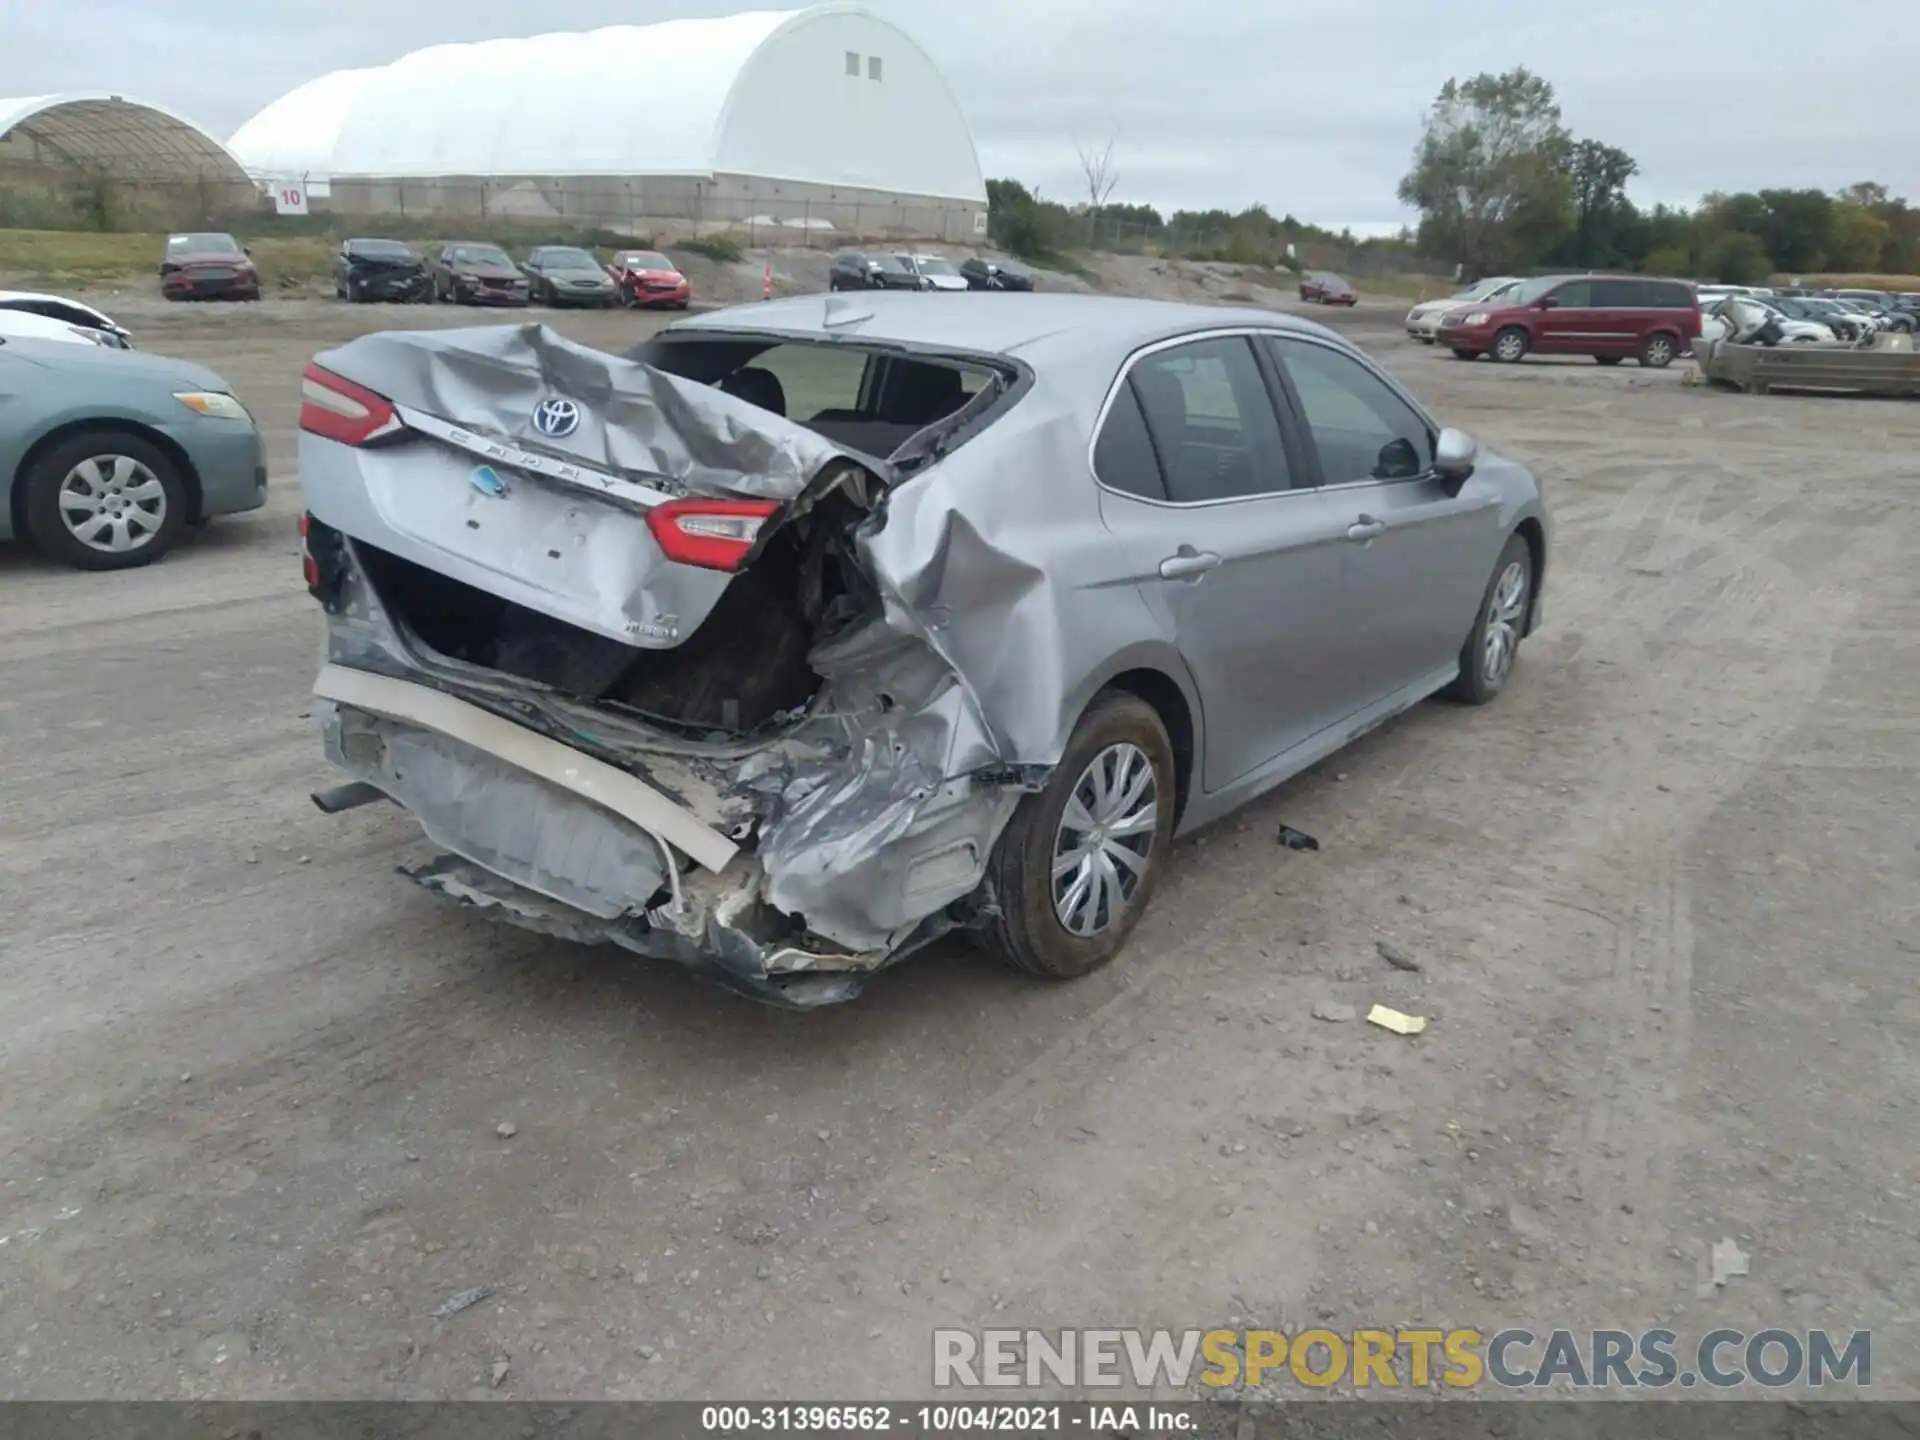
column 556, row 419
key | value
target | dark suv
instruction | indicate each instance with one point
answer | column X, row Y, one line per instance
column 870, row 270
column 1606, row 316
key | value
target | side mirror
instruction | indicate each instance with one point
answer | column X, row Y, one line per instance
column 1454, row 456
column 1546, row 302
column 246, row 250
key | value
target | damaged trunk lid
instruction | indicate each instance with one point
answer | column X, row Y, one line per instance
column 595, row 491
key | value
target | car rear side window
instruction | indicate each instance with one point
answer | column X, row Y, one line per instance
column 1362, row 430
column 1668, row 295
column 1619, row 295
column 1123, row 456
column 1212, row 421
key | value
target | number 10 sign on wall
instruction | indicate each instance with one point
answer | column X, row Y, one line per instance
column 290, row 200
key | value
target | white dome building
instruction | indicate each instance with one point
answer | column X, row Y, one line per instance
column 802, row 118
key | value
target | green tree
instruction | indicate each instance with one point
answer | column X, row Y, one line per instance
column 1674, row 260
column 1603, row 216
column 1795, row 229
column 1489, row 173
column 1857, row 238
column 1736, row 258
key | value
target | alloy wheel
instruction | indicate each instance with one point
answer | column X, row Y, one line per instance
column 1104, row 840
column 1506, row 612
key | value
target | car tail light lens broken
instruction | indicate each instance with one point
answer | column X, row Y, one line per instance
column 710, row 534
column 338, row 409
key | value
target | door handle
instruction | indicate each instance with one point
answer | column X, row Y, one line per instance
column 1365, row 528
column 1188, row 564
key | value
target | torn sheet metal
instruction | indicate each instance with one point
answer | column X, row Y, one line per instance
column 629, row 420
column 865, row 823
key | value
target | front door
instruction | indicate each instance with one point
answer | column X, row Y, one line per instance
column 1416, row 559
column 1242, row 569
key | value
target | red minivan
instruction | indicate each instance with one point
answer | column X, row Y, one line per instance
column 1606, row 316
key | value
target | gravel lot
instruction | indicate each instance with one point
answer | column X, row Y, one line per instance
column 265, row 1105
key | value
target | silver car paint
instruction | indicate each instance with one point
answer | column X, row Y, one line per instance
column 1012, row 589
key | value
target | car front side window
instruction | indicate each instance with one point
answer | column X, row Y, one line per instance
column 1361, row 428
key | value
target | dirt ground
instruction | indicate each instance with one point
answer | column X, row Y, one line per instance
column 265, row 1105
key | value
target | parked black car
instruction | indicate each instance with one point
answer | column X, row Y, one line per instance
column 568, row 275
column 994, row 275
column 381, row 270
column 871, row 270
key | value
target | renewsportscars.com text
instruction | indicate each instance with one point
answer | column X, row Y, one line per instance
column 1402, row 1357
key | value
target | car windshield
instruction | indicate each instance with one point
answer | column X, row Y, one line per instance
column 641, row 260
column 202, row 245
column 383, row 250
column 934, row 265
column 479, row 255
column 562, row 255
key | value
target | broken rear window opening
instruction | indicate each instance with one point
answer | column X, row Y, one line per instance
column 870, row 399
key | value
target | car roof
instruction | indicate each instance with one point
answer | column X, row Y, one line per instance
column 1044, row 328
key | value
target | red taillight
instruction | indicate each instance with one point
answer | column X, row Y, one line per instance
column 712, row 534
column 341, row 410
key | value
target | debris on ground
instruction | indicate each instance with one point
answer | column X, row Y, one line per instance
column 1728, row 1260
column 1398, row 1023
column 465, row 1300
column 1297, row 839
column 1334, row 1010
column 506, row 1130
column 498, row 1373
column 1396, row 957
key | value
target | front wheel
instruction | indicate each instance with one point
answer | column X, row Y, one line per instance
column 1656, row 352
column 1510, row 345
column 1077, row 864
column 105, row 500
column 1493, row 645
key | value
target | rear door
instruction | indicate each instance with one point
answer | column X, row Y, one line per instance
column 1415, row 559
column 1567, row 325
column 1623, row 315
column 1241, row 567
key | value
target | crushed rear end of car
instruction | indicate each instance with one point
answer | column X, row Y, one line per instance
column 618, row 641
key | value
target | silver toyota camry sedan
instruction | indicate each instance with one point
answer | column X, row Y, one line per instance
column 814, row 630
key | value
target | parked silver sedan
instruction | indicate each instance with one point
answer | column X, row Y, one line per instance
column 820, row 628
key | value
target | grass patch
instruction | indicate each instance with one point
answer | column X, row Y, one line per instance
column 1909, row 283
column 721, row 248
column 77, row 259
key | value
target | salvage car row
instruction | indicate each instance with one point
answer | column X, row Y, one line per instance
column 209, row 266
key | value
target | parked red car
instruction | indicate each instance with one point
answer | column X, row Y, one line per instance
column 207, row 267
column 647, row 278
column 1325, row 289
column 1606, row 316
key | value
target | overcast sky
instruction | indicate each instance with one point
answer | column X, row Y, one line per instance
column 1311, row 106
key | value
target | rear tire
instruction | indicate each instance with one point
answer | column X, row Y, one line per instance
column 1493, row 645
column 1028, row 931
column 144, row 499
column 1657, row 351
column 1510, row 345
